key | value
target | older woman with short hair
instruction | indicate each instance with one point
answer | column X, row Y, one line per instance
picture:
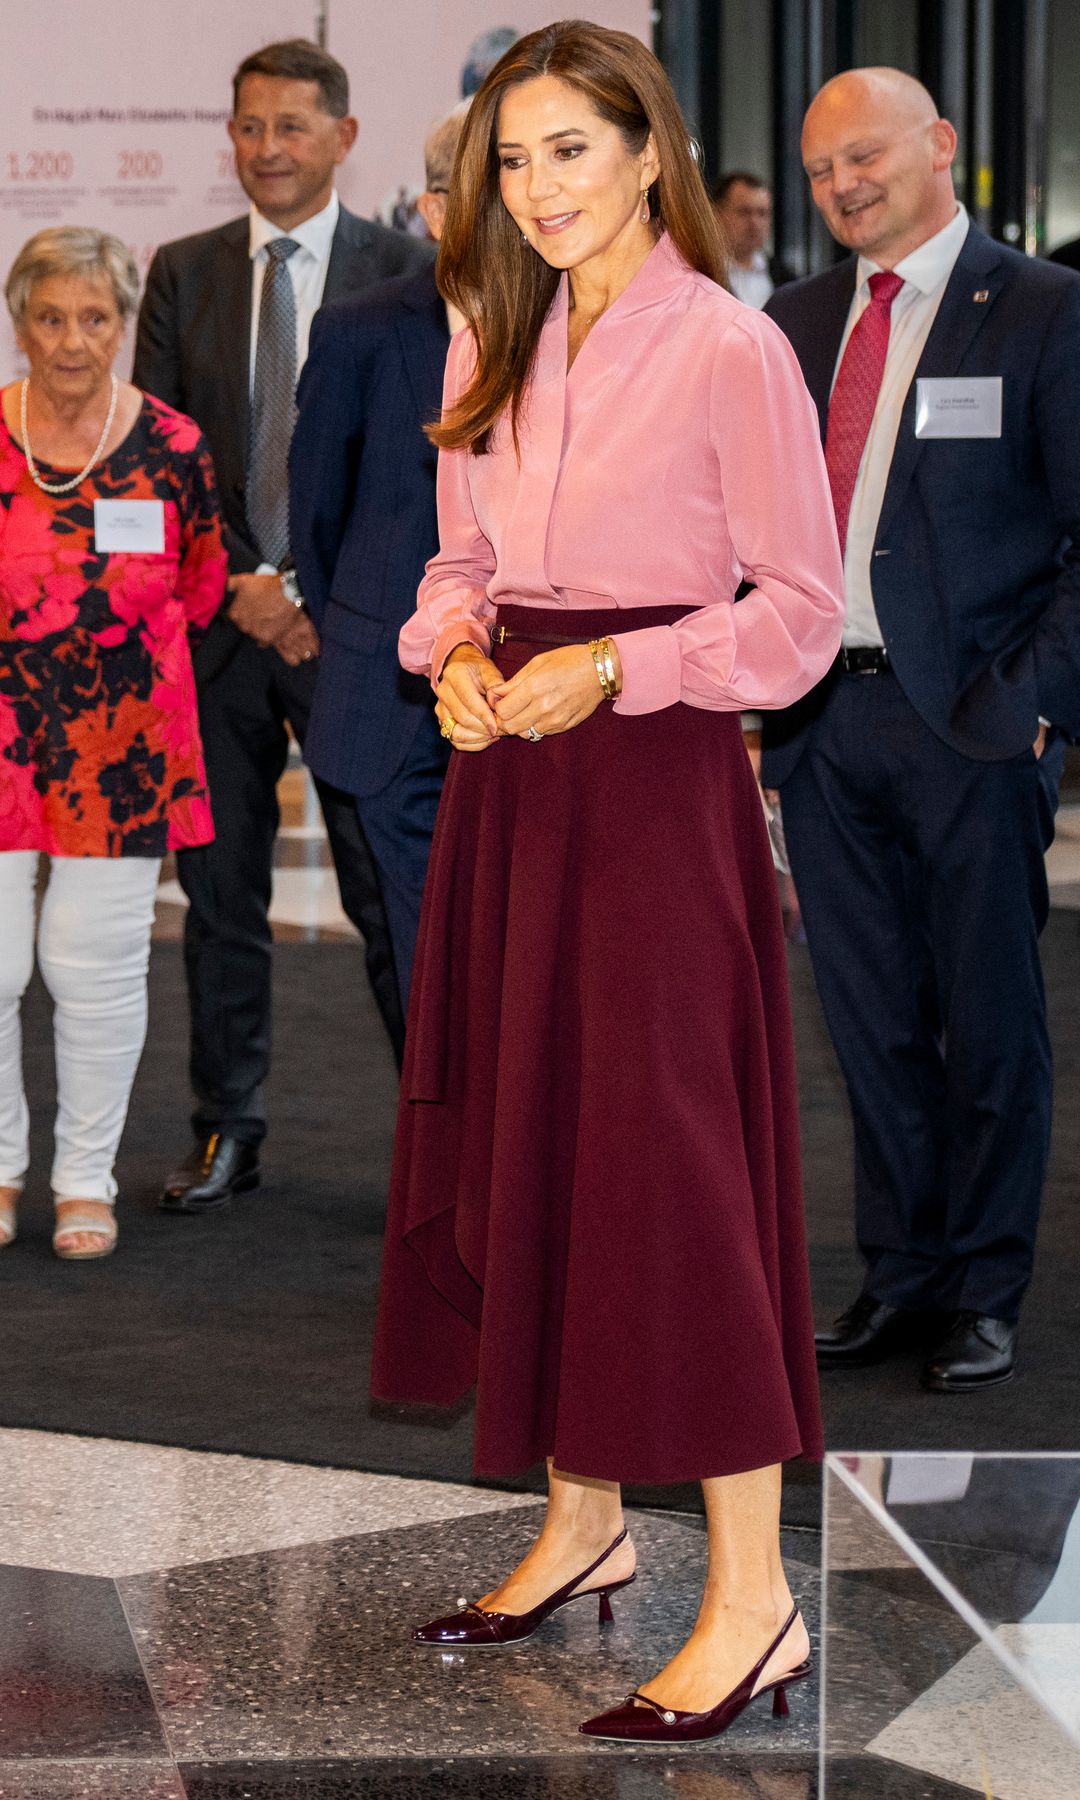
column 110, row 556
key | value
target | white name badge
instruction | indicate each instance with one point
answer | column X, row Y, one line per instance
column 137, row 525
column 966, row 406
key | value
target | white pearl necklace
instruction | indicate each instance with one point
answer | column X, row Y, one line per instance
column 65, row 487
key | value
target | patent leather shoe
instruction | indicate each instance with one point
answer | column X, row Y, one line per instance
column 867, row 1333
column 473, row 1628
column 640, row 1720
column 976, row 1352
column 211, row 1175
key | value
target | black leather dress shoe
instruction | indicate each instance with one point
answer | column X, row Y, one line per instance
column 868, row 1332
column 976, row 1352
column 211, row 1175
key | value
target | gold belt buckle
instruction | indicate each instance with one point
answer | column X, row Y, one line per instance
column 498, row 634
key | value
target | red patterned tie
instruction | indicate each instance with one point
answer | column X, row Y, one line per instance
column 854, row 395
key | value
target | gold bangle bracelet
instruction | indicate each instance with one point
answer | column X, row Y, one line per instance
column 600, row 649
column 609, row 667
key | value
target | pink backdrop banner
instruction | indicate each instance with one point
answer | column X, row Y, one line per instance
column 405, row 60
column 114, row 115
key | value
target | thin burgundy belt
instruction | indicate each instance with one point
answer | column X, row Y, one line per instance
column 596, row 622
column 501, row 634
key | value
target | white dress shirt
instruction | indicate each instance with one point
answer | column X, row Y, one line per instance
column 753, row 285
column 925, row 275
column 307, row 271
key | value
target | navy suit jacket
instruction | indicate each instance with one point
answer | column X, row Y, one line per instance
column 364, row 520
column 192, row 348
column 976, row 564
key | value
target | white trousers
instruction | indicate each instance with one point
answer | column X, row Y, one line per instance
column 93, row 947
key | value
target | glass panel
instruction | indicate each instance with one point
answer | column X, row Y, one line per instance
column 746, row 87
column 951, row 1635
column 1063, row 126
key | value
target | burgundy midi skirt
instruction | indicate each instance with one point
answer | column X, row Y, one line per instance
column 596, row 1207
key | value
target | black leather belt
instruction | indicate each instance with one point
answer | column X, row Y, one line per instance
column 864, row 661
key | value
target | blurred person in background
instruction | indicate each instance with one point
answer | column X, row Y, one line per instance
column 482, row 55
column 364, row 523
column 223, row 333
column 110, row 560
column 744, row 205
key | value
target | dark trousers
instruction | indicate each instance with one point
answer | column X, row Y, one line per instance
column 244, row 710
column 397, row 824
column 921, row 880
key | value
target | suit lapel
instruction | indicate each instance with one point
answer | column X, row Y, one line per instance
column 348, row 253
column 424, row 337
column 967, row 302
column 232, row 314
column 822, row 347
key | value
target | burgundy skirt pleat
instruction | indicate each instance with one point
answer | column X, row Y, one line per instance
column 596, row 1207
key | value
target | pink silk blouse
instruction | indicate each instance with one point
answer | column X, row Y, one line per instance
column 680, row 456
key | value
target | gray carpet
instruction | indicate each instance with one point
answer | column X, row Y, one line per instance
column 249, row 1330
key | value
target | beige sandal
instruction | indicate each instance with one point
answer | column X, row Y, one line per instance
column 79, row 1225
column 9, row 1198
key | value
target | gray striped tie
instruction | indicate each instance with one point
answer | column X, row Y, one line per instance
column 273, row 406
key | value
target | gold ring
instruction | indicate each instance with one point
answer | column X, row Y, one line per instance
column 448, row 726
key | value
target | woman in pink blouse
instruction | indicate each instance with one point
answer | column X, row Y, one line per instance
column 596, row 1211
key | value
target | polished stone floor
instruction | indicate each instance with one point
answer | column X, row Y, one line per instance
column 174, row 1622
column 177, row 1623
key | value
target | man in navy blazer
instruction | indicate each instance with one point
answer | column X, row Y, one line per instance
column 363, row 525
column 918, row 780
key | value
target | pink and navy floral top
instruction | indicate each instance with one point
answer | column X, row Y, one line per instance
column 100, row 753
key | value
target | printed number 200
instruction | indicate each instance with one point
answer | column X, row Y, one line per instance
column 139, row 165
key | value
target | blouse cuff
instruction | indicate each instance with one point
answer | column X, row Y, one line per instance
column 651, row 669
column 459, row 631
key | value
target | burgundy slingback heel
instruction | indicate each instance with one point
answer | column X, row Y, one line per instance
column 640, row 1720
column 475, row 1629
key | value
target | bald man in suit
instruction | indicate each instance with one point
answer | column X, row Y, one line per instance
column 918, row 780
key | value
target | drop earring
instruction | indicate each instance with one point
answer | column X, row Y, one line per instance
column 646, row 212
column 524, row 237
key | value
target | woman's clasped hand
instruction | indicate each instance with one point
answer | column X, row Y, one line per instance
column 552, row 693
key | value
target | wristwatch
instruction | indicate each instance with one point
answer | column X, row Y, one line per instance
column 290, row 587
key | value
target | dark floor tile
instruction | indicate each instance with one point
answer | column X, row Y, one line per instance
column 89, row 1781
column 71, row 1684
column 870, row 1778
column 693, row 1776
column 890, row 1637
column 1000, row 1585
column 905, row 1582
column 306, row 1655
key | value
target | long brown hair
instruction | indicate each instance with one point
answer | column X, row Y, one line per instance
column 503, row 287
